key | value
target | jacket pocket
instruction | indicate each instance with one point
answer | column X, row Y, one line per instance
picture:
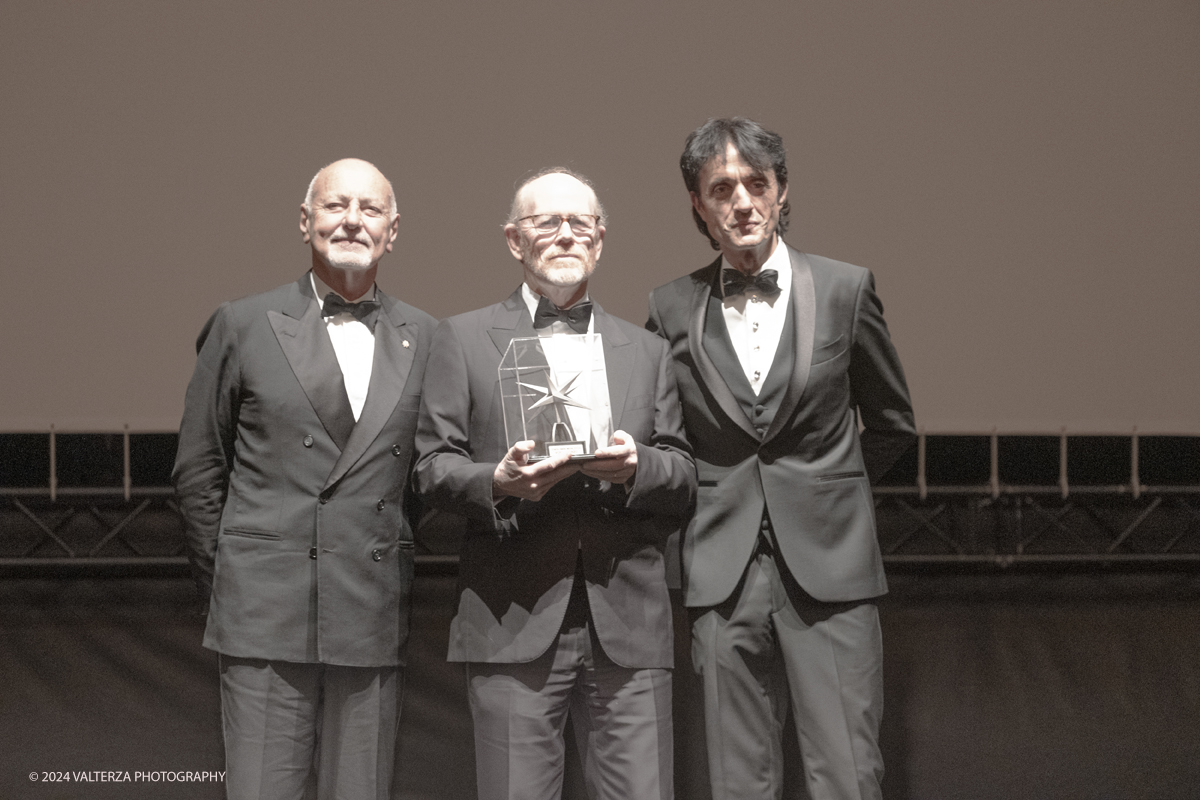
column 248, row 533
column 839, row 476
column 828, row 352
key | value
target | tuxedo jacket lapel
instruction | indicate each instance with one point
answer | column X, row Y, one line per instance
column 618, row 362
column 511, row 321
column 711, row 376
column 804, row 309
column 719, row 347
column 301, row 333
column 395, row 349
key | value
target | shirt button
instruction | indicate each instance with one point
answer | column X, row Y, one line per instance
column 396, row 450
column 379, row 506
column 308, row 441
column 376, row 555
column 312, row 553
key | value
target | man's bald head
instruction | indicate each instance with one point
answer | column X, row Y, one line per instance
column 350, row 164
column 349, row 219
column 557, row 260
column 554, row 178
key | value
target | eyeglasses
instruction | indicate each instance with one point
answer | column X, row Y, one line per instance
column 580, row 224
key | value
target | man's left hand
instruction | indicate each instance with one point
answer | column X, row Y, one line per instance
column 616, row 463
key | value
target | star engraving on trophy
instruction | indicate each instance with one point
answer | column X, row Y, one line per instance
column 553, row 395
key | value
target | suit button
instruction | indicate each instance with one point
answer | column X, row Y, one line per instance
column 379, row 506
column 396, row 450
column 308, row 441
column 758, row 410
column 312, row 552
column 323, row 500
column 376, row 555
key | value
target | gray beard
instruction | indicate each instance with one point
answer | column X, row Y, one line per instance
column 351, row 262
column 555, row 277
column 562, row 276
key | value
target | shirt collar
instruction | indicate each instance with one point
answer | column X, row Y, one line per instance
column 779, row 261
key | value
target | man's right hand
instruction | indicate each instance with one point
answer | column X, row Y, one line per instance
column 516, row 477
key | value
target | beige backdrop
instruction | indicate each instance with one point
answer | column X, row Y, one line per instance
column 1023, row 177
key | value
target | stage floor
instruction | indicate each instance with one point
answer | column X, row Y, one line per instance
column 997, row 686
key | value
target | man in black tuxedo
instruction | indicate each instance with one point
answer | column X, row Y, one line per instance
column 293, row 467
column 779, row 356
column 562, row 600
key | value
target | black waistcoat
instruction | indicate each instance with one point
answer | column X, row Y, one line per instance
column 760, row 409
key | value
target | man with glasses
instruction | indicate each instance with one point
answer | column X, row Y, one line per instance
column 780, row 356
column 562, row 601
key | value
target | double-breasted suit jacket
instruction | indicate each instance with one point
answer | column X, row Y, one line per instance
column 519, row 557
column 809, row 468
column 295, row 513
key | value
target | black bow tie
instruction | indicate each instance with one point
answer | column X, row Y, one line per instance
column 365, row 312
column 737, row 282
column 577, row 316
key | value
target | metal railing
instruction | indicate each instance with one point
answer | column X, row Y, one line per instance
column 1090, row 502
column 954, row 501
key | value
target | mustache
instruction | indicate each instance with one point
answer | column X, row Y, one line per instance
column 575, row 251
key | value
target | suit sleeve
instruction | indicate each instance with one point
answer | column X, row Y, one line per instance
column 878, row 387
column 204, row 459
column 447, row 475
column 665, row 481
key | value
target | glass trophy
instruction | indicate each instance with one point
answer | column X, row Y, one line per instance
column 554, row 390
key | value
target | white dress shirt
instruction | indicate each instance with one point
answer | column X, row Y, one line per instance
column 353, row 344
column 755, row 322
column 581, row 419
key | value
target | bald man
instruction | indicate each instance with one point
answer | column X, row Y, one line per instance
column 293, row 479
column 562, row 600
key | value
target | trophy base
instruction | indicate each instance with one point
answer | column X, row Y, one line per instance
column 580, row 457
column 576, row 450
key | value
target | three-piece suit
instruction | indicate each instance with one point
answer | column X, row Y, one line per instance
column 781, row 561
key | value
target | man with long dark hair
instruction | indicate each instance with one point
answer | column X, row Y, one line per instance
column 779, row 355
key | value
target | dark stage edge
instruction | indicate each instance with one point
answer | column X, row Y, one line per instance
column 1038, row 685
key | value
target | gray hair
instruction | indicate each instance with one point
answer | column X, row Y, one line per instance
column 514, row 212
column 308, row 196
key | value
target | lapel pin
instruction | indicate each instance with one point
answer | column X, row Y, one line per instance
column 405, row 342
